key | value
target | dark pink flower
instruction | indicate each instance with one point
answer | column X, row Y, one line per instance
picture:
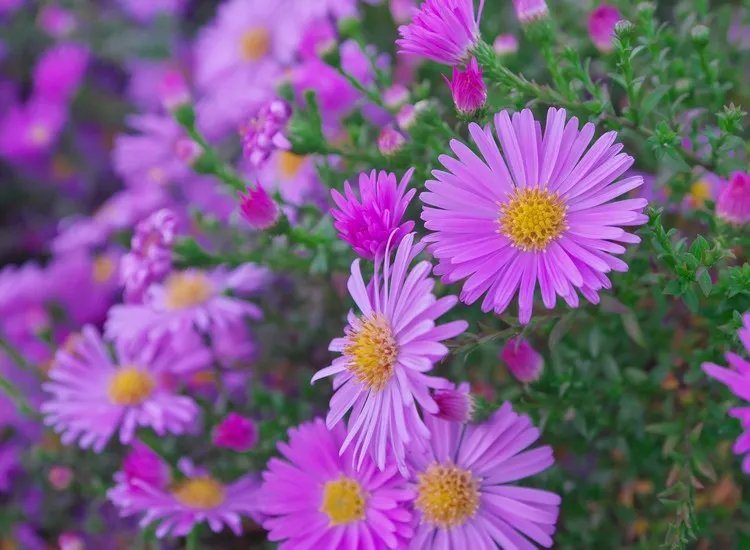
column 258, row 209
column 601, row 24
column 237, row 433
column 368, row 221
column 529, row 11
column 522, row 360
column 468, row 88
column 59, row 71
column 733, row 204
column 455, row 404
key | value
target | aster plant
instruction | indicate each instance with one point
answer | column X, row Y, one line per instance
column 506, row 242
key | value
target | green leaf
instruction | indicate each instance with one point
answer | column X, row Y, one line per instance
column 652, row 99
column 704, row 280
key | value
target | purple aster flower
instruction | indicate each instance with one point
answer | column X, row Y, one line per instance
column 294, row 177
column 733, row 204
column 737, row 379
column 368, row 225
column 188, row 300
column 56, row 21
column 468, row 89
column 94, row 395
column 601, row 25
column 150, row 157
column 258, row 209
column 150, row 256
column 390, row 141
column 523, row 361
column 505, row 44
column 442, row 30
column 29, row 131
column 464, row 497
column 535, row 212
column 313, row 497
column 266, row 132
column 402, row 10
column 455, row 404
column 529, row 11
column 704, row 187
column 385, row 354
column 199, row 498
column 236, row 432
column 60, row 70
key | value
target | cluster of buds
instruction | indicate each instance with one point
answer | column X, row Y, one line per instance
column 266, row 132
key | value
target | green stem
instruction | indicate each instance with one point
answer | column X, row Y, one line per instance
column 15, row 355
column 23, row 406
column 193, row 539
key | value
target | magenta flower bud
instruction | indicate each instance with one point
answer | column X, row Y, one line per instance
column 60, row 477
column 455, row 405
column 522, row 360
column 258, row 209
column 733, row 204
column 188, row 151
column 237, row 433
column 468, row 88
column 173, row 91
column 71, row 541
column 601, row 24
column 143, row 466
column 406, row 117
column 395, row 96
column 390, row 142
column 505, row 44
column 529, row 11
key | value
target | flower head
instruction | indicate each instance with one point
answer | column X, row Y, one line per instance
column 30, row 130
column 258, row 209
column 455, row 404
column 95, row 394
column 189, row 300
column 539, row 211
column 442, row 30
column 529, row 11
column 733, row 204
column 178, row 507
column 523, row 361
column 463, row 494
column 333, row 501
column 737, row 379
column 601, row 24
column 367, row 224
column 385, row 353
column 266, row 132
column 59, row 71
column 390, row 141
column 60, row 477
column 468, row 89
column 143, row 465
column 237, row 433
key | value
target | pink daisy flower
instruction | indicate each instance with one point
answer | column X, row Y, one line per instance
column 178, row 507
column 737, row 379
column 294, row 176
column 536, row 212
column 60, row 70
column 313, row 497
column 367, row 225
column 243, row 36
column 463, row 496
column 188, row 300
column 442, row 30
column 386, row 352
column 95, row 394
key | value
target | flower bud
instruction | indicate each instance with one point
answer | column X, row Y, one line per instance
column 505, row 44
column 700, row 34
column 601, row 26
column 173, row 91
column 455, row 405
column 468, row 89
column 523, row 361
column 258, row 209
column 237, row 433
column 733, row 204
column 390, row 142
column 530, row 11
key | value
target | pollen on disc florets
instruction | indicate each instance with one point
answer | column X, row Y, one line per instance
column 532, row 218
column 343, row 501
column 372, row 350
column 447, row 495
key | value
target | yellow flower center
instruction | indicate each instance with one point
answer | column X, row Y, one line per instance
column 40, row 134
column 532, row 218
column 186, row 290
column 343, row 501
column 255, row 43
column 289, row 164
column 447, row 495
column 103, row 269
column 201, row 493
column 131, row 386
column 700, row 191
column 372, row 351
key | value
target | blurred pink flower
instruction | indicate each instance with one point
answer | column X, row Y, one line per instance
column 60, row 70
column 236, row 432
